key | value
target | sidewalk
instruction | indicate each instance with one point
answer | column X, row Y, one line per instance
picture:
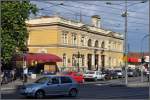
column 14, row 84
column 139, row 84
column 131, row 83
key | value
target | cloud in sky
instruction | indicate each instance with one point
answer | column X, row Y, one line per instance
column 111, row 16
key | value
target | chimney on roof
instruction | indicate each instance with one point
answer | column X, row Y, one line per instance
column 96, row 21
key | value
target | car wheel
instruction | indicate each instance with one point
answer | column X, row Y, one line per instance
column 73, row 93
column 39, row 94
column 95, row 79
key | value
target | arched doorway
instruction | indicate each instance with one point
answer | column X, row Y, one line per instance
column 89, row 58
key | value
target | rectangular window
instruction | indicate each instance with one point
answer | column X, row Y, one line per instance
column 64, row 37
column 74, row 39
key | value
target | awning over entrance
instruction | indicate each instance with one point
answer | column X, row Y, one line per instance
column 39, row 57
column 133, row 60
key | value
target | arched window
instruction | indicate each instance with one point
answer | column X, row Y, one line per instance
column 89, row 42
column 103, row 45
column 96, row 43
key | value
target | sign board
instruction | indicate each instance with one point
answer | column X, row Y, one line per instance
column 146, row 58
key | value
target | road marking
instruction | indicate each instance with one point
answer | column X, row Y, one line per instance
column 99, row 84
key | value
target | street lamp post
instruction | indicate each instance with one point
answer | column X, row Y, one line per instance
column 78, row 55
column 125, row 43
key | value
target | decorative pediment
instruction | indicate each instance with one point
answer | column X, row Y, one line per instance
column 84, row 27
column 110, row 34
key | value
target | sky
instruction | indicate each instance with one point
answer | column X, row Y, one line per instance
column 111, row 19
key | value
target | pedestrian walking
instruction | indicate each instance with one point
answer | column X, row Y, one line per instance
column 148, row 76
column 4, row 77
column 25, row 77
column 13, row 72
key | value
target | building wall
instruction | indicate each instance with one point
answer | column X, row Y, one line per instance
column 49, row 39
column 43, row 35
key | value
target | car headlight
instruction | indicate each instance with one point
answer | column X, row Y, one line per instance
column 29, row 89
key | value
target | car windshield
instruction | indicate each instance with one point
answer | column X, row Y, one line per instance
column 129, row 70
column 42, row 80
column 90, row 72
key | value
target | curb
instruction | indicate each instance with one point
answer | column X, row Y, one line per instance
column 5, row 89
column 138, row 85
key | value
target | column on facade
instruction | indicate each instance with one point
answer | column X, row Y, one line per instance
column 85, row 61
column 99, row 61
column 93, row 61
column 107, row 61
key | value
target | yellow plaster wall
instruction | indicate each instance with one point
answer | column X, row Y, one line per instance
column 43, row 37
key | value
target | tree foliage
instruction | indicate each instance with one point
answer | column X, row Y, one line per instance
column 13, row 27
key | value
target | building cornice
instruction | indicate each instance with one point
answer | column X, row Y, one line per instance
column 72, row 27
column 59, row 21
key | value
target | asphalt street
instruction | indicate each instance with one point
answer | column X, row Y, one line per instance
column 96, row 90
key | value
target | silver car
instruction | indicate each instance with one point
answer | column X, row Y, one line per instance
column 50, row 85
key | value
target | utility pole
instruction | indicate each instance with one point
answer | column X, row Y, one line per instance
column 125, row 43
column 149, row 49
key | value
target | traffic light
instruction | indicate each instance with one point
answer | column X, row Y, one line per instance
column 143, row 60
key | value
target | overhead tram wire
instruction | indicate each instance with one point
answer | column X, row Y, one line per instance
column 90, row 16
column 67, row 13
column 95, row 10
column 100, row 11
column 106, row 23
column 106, row 6
column 112, row 19
column 112, row 8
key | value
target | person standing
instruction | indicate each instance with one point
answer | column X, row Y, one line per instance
column 25, row 77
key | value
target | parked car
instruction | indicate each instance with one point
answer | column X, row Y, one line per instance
column 131, row 73
column 94, row 75
column 119, row 73
column 110, row 74
column 77, row 76
column 49, row 73
column 50, row 85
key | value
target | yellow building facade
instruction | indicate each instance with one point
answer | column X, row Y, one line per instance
column 81, row 46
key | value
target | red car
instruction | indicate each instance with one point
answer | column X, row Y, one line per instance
column 78, row 77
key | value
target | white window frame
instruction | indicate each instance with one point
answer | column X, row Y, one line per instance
column 74, row 39
column 64, row 37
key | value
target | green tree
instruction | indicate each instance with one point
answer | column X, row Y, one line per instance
column 14, row 31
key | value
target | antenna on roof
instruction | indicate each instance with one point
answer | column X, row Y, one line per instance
column 80, row 16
